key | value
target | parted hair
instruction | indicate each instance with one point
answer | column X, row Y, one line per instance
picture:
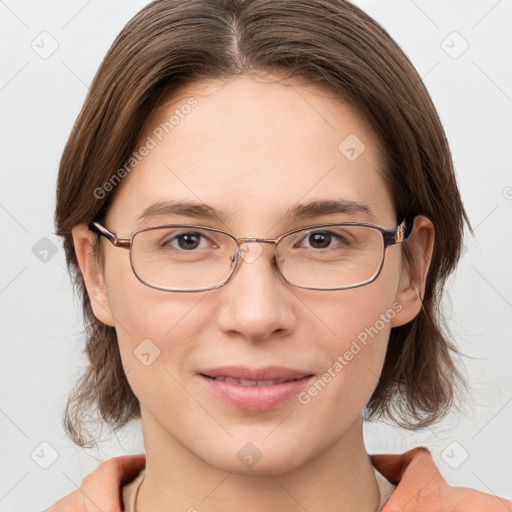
column 331, row 43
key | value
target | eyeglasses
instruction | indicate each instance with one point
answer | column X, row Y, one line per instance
column 187, row 258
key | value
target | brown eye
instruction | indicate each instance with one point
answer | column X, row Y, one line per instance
column 319, row 239
column 188, row 241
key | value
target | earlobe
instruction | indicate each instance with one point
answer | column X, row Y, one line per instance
column 84, row 240
column 413, row 278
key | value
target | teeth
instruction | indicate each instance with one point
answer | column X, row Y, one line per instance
column 246, row 382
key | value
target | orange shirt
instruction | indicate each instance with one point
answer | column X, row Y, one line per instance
column 420, row 487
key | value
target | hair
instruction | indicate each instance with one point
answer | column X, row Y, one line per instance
column 328, row 42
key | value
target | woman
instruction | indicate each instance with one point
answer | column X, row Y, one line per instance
column 259, row 206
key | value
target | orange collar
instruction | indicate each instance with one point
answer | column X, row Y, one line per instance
column 420, row 486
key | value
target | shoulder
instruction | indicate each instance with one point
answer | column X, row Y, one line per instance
column 420, row 486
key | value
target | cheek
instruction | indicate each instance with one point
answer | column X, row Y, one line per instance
column 360, row 323
column 156, row 330
column 158, row 338
column 171, row 322
column 362, row 313
column 141, row 312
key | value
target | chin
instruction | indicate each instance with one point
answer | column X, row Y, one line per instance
column 254, row 458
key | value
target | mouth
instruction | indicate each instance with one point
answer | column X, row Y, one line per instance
column 255, row 389
column 247, row 382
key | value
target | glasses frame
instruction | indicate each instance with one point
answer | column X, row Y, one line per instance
column 389, row 237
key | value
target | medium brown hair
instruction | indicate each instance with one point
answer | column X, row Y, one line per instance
column 329, row 42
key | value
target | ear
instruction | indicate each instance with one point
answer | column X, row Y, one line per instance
column 84, row 240
column 413, row 277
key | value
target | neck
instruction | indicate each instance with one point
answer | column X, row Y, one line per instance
column 340, row 479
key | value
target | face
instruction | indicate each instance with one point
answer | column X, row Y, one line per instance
column 252, row 150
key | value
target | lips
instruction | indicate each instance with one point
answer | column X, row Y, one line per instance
column 252, row 374
column 255, row 389
column 247, row 382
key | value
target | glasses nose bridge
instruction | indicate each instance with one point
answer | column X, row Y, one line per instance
column 240, row 242
column 252, row 239
column 243, row 242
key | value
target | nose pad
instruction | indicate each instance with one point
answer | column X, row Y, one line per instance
column 250, row 255
column 250, row 251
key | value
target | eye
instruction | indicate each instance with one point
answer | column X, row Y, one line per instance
column 188, row 241
column 323, row 239
column 319, row 239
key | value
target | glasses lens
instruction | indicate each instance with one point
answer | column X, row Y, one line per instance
column 329, row 257
column 182, row 257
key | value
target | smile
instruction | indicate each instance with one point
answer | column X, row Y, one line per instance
column 254, row 389
column 245, row 382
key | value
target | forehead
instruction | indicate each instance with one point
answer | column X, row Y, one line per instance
column 252, row 148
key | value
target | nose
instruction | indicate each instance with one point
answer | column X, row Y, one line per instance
column 256, row 303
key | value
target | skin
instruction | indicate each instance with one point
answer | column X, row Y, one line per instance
column 251, row 149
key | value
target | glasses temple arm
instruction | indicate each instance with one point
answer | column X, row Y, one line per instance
column 401, row 232
column 110, row 236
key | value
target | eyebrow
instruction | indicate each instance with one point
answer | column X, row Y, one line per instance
column 319, row 208
column 297, row 213
column 186, row 209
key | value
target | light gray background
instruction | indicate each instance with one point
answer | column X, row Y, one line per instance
column 41, row 326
